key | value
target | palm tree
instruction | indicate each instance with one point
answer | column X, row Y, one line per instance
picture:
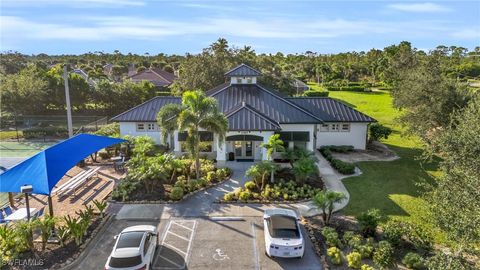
column 196, row 112
column 274, row 144
column 260, row 171
column 303, row 168
column 325, row 201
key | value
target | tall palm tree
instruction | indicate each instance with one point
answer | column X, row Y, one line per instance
column 196, row 112
column 274, row 144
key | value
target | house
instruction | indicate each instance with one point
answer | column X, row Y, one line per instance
column 84, row 75
column 300, row 86
column 159, row 77
column 254, row 114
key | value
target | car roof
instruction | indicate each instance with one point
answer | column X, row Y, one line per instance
column 126, row 252
column 280, row 211
column 140, row 228
column 283, row 222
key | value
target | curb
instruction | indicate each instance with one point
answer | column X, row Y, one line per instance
column 84, row 247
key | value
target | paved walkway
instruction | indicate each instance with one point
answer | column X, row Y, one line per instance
column 333, row 181
column 203, row 203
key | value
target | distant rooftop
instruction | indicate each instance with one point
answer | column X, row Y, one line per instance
column 243, row 71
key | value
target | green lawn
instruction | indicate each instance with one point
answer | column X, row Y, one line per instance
column 393, row 187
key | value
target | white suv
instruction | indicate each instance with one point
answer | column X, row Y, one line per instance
column 134, row 248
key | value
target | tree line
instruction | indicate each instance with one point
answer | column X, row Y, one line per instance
column 33, row 84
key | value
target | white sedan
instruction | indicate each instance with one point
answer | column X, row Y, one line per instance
column 134, row 249
column 283, row 237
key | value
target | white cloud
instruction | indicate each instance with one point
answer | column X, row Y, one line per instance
column 107, row 28
column 473, row 34
column 420, row 7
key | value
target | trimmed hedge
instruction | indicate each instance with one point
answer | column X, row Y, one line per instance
column 314, row 93
column 354, row 88
column 39, row 132
column 339, row 165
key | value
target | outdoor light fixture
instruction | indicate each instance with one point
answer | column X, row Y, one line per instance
column 27, row 189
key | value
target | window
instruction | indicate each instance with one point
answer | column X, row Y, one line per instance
column 297, row 144
column 345, row 127
column 140, row 127
column 151, row 127
column 249, row 80
column 147, row 244
column 335, row 127
column 239, row 80
column 324, row 128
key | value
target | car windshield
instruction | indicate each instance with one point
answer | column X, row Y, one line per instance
column 125, row 262
column 130, row 239
column 283, row 227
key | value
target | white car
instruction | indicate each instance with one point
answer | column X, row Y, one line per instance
column 134, row 249
column 283, row 236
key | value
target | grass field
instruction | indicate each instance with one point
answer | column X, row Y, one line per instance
column 393, row 187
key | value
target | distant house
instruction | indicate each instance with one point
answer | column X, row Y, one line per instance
column 254, row 114
column 300, row 86
column 82, row 73
column 157, row 76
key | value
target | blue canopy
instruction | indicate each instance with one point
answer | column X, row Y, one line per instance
column 45, row 169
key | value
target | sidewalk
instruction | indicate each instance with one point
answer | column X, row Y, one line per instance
column 333, row 181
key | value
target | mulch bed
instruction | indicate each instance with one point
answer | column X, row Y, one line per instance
column 54, row 254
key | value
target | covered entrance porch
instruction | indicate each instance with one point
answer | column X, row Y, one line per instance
column 244, row 146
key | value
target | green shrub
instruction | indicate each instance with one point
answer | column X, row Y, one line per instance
column 393, row 231
column 202, row 182
column 352, row 88
column 192, row 185
column 211, row 176
column 420, row 236
column 368, row 221
column 124, row 189
column 176, row 193
column 414, row 261
column 222, row 173
column 335, row 255
column 340, row 148
column 244, row 196
column 383, row 255
column 355, row 241
column 331, row 237
column 378, row 131
column 443, row 261
column 228, row 196
column 250, row 185
column 316, row 93
column 366, row 267
column 339, row 165
column 365, row 250
column 342, row 166
column 354, row 260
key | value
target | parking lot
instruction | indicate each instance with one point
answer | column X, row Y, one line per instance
column 230, row 243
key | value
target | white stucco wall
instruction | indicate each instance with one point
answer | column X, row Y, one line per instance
column 130, row 128
column 356, row 136
column 234, row 80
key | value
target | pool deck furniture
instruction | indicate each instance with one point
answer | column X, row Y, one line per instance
column 20, row 214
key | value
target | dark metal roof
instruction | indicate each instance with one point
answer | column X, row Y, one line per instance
column 147, row 111
column 243, row 70
column 157, row 76
column 331, row 110
column 245, row 117
column 265, row 102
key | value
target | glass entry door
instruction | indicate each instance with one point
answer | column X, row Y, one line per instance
column 243, row 149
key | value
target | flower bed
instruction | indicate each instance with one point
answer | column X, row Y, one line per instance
column 22, row 252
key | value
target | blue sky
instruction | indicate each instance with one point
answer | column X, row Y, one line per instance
column 78, row 26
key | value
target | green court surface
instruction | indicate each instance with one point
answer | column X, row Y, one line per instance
column 22, row 149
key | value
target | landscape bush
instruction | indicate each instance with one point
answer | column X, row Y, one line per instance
column 335, row 255
column 331, row 237
column 366, row 267
column 413, row 261
column 316, row 93
column 353, row 88
column 378, row 131
column 339, row 165
column 420, row 236
column 393, row 232
column 176, row 193
column 250, row 185
column 124, row 189
column 441, row 261
column 228, row 197
column 40, row 132
column 354, row 260
column 351, row 239
column 383, row 255
column 202, row 182
column 368, row 222
column 244, row 196
column 365, row 250
column 211, row 176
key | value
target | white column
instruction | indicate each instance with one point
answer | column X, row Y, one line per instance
column 266, row 135
column 221, row 150
column 176, row 143
column 310, row 143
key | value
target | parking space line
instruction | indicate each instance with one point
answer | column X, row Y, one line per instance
column 179, row 236
column 181, row 225
column 255, row 252
column 177, row 249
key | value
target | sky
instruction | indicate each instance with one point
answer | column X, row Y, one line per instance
column 179, row 27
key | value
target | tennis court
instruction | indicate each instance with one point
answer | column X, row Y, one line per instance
column 22, row 149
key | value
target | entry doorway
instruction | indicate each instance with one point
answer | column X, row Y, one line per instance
column 243, row 149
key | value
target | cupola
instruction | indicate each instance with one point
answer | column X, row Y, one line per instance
column 243, row 74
